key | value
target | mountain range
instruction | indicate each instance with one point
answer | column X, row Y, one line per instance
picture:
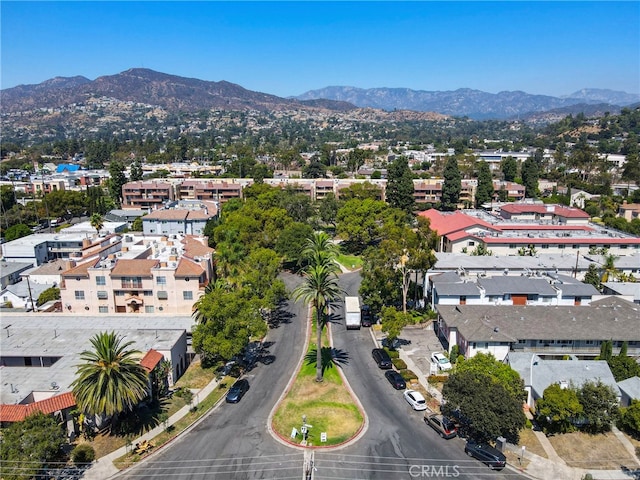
column 175, row 94
column 475, row 104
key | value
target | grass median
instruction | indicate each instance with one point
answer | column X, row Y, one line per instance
column 328, row 406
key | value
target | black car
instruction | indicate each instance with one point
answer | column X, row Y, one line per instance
column 366, row 317
column 395, row 379
column 382, row 358
column 487, row 454
column 237, row 391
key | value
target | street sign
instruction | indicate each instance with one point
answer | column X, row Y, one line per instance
column 323, row 437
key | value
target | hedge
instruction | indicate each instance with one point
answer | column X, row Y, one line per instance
column 399, row 363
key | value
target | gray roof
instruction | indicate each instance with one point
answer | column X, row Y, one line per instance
column 548, row 372
column 457, row 289
column 578, row 290
column 446, row 277
column 9, row 268
column 625, row 288
column 630, row 386
column 21, row 289
column 516, row 285
column 542, row 261
column 49, row 335
column 622, row 262
column 610, row 318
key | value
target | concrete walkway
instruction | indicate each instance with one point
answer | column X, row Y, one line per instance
column 104, row 468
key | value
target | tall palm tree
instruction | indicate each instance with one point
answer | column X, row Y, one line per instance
column 320, row 286
column 97, row 222
column 111, row 380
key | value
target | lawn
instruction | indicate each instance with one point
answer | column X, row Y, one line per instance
column 351, row 262
column 602, row 451
column 530, row 441
column 196, row 376
column 328, row 406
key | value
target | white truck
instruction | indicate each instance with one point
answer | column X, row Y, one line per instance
column 352, row 312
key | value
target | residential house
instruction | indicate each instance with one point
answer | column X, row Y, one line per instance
column 629, row 390
column 549, row 330
column 538, row 373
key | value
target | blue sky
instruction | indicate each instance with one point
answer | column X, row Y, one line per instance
column 551, row 48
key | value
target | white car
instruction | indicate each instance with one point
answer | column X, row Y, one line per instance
column 440, row 360
column 415, row 399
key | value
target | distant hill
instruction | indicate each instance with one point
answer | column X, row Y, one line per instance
column 467, row 102
column 140, row 85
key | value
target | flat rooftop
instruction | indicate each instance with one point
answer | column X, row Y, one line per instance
column 64, row 337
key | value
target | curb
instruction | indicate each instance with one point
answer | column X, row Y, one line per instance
column 359, row 433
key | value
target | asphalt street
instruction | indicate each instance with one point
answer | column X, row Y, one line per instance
column 233, row 441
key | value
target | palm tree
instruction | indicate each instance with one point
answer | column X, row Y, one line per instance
column 111, row 381
column 320, row 285
column 609, row 270
column 97, row 222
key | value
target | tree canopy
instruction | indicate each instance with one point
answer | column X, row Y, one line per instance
column 452, row 185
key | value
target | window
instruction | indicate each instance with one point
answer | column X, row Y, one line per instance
column 148, row 309
column 163, row 295
column 512, row 246
column 101, row 280
column 79, row 294
column 561, row 246
column 506, row 296
column 589, row 342
column 103, row 295
column 575, row 247
column 187, row 295
column 161, row 280
column 103, row 309
column 131, row 282
column 522, row 342
column 471, row 243
column 148, row 293
column 545, row 245
column 119, row 293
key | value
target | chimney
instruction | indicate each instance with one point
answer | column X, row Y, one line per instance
column 86, row 243
column 125, row 249
column 173, row 258
column 163, row 264
column 69, row 264
column 111, row 256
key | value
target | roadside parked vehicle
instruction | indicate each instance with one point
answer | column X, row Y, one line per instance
column 395, row 379
column 382, row 358
column 415, row 399
column 490, row 456
column 441, row 424
column 237, row 391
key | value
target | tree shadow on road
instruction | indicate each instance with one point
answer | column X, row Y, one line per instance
column 330, row 357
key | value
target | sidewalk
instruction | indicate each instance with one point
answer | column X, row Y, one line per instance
column 104, row 468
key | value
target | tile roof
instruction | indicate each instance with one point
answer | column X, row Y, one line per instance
column 81, row 270
column 188, row 268
column 195, row 247
column 151, row 359
column 447, row 224
column 17, row 413
column 560, row 210
column 134, row 267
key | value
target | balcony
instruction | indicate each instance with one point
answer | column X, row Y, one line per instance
column 132, row 284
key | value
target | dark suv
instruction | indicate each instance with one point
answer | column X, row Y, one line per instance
column 382, row 358
column 366, row 317
column 487, row 454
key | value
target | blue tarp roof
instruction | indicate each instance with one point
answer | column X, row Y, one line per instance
column 69, row 168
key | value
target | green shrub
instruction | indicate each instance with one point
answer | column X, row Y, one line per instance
column 399, row 363
column 453, row 356
column 83, row 453
column 392, row 353
column 408, row 375
column 528, row 424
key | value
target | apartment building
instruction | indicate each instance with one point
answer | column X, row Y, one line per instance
column 147, row 195
column 165, row 275
column 553, row 229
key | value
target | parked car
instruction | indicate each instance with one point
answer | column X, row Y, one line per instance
column 366, row 317
column 415, row 399
column 382, row 358
column 440, row 360
column 490, row 456
column 395, row 379
column 441, row 424
column 237, row 391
